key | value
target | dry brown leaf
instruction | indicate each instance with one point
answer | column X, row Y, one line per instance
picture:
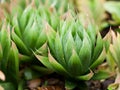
column 1, row 88
column 32, row 84
column 2, row 76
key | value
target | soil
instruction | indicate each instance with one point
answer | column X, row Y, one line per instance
column 100, row 85
column 56, row 82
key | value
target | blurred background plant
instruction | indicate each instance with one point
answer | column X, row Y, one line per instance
column 93, row 10
column 112, row 8
column 113, row 58
column 102, row 12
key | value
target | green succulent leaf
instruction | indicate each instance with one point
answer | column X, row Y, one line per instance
column 102, row 74
column 86, row 77
column 70, row 85
column 59, row 50
column 56, row 66
column 28, row 26
column 75, row 64
column 5, row 46
column 31, row 35
column 25, row 17
column 13, row 63
column 51, row 37
column 64, row 26
column 85, row 53
column 100, row 59
column 16, row 25
column 92, row 33
column 5, row 39
column 69, row 45
column 24, row 58
column 20, row 44
column 78, row 43
column 44, row 60
column 41, row 39
column 98, row 48
column 54, row 21
column 42, row 50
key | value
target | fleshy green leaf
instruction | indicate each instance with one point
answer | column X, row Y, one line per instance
column 86, row 77
column 15, row 23
column 56, row 66
column 102, row 74
column 21, row 46
column 31, row 35
column 41, row 39
column 70, row 85
column 42, row 50
column 91, row 32
column 25, row 17
column 98, row 48
column 54, row 21
column 5, row 39
column 85, row 53
column 100, row 59
column 44, row 61
column 24, row 58
column 13, row 63
column 30, row 22
column 78, row 43
column 59, row 50
column 69, row 45
column 5, row 44
column 75, row 64
column 51, row 38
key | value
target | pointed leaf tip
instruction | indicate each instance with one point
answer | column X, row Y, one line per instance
column 87, row 76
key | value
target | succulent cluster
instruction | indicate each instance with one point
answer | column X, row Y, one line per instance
column 39, row 38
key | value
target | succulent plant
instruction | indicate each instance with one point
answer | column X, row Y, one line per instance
column 26, row 33
column 114, row 47
column 29, row 36
column 74, row 51
column 9, row 63
column 67, row 45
